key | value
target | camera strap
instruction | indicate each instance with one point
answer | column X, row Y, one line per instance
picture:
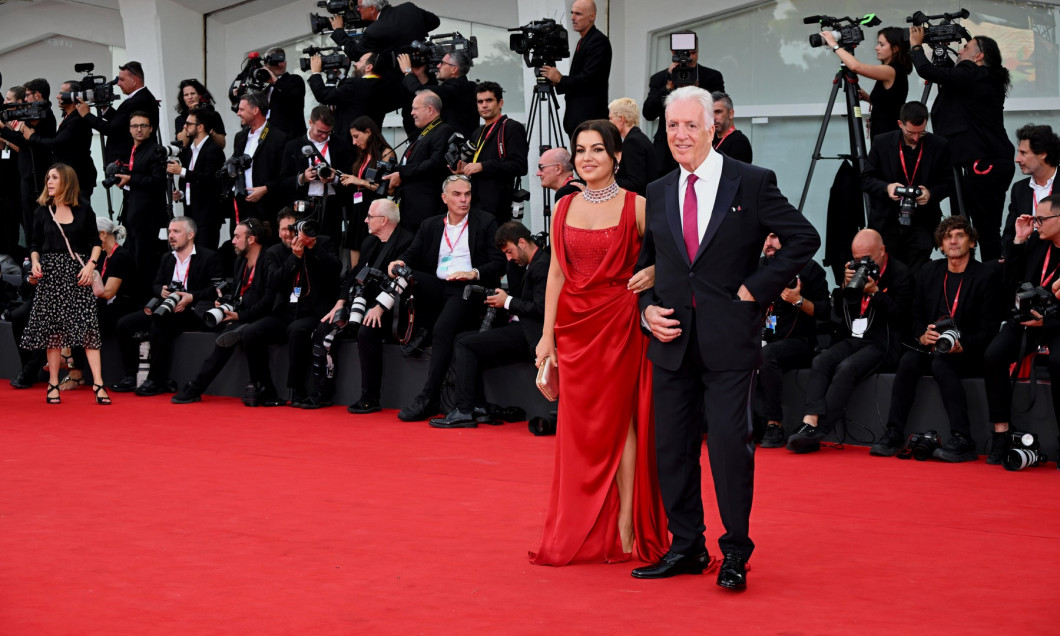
column 244, row 282
column 1045, row 266
column 901, row 157
column 484, row 137
column 865, row 298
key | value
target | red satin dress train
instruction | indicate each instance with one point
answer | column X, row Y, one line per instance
column 605, row 383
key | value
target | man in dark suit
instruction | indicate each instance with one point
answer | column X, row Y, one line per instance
column 359, row 94
column 585, row 87
column 704, row 229
column 143, row 208
column 660, row 86
column 286, row 95
column 300, row 178
column 450, row 84
column 114, row 122
column 728, row 140
column 33, row 161
column 511, row 342
column 389, row 29
column 450, row 251
column 264, row 143
column 198, row 188
column 423, row 165
column 639, row 166
column 908, row 157
column 71, row 143
column 1037, row 157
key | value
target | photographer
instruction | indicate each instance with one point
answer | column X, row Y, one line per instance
column 389, row 29
column 143, row 185
column 369, row 149
column 114, row 122
column 452, row 87
column 10, row 184
column 423, row 165
column 727, row 140
column 264, row 143
column 873, row 313
column 33, row 161
column 199, row 189
column 556, row 172
column 252, row 300
column 186, row 273
column 1035, row 259
column 359, row 94
column 449, row 252
column 661, row 84
column 500, row 155
column 963, row 292
column 1037, row 156
column 192, row 95
column 386, row 241
column 908, row 158
column 638, row 165
column 512, row 342
column 789, row 336
column 71, row 143
column 969, row 112
column 304, row 282
column 585, row 87
column 286, row 95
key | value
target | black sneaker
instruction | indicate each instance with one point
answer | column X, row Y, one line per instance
column 805, row 440
column 997, row 447
column 150, row 388
column 889, row 444
column 126, row 385
column 364, row 407
column 297, row 399
column 958, row 449
column 316, row 401
column 190, row 393
column 421, row 408
column 774, row 437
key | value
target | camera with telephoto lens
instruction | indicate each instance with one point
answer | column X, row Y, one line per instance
column 460, row 149
column 920, row 446
column 169, row 152
column 491, row 312
column 113, row 170
column 847, row 32
column 96, row 90
column 541, row 238
column 864, row 269
column 392, row 289
column 232, row 176
column 162, row 306
column 940, row 36
column 907, row 196
column 1024, row 451
column 351, row 17
column 377, row 175
column 358, row 303
column 23, row 111
column 1033, row 302
column 949, row 334
column 306, row 227
column 519, row 198
column 227, row 301
column 252, row 77
column 541, row 43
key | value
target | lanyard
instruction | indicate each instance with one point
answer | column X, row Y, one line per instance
column 1034, row 195
column 901, row 155
column 445, row 233
column 323, row 153
column 103, row 272
column 956, row 297
column 132, row 157
column 722, row 140
column 482, row 137
column 364, row 166
column 177, row 267
column 244, row 286
column 423, row 134
column 865, row 298
column 1045, row 266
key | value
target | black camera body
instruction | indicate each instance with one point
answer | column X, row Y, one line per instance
column 112, row 171
column 940, row 36
column 358, row 303
column 1024, row 451
column 24, row 111
column 96, row 90
column 460, row 149
column 431, row 52
column 351, row 17
column 306, row 227
column 949, row 334
column 920, row 446
column 331, row 63
column 253, row 77
column 491, row 312
column 233, row 175
column 1033, row 299
column 847, row 32
column 864, row 269
column 228, row 302
column 162, row 306
column 391, row 289
column 381, row 170
column 907, row 196
column 540, row 42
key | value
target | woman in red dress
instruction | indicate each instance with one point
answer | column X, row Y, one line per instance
column 605, row 503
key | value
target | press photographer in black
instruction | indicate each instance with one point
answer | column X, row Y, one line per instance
column 286, row 95
column 114, row 122
column 500, row 155
column 907, row 175
column 727, row 139
column 450, row 84
column 1037, row 155
column 33, row 161
column 306, row 178
column 423, row 165
column 389, row 29
column 514, row 341
column 969, row 112
column 198, row 187
column 142, row 181
column 954, row 318
column 72, row 142
column 1033, row 258
column 361, row 93
column 264, row 144
column 789, row 336
column 585, row 86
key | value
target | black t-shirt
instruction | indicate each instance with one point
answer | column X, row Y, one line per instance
column 81, row 233
column 121, row 265
column 887, row 102
column 952, row 282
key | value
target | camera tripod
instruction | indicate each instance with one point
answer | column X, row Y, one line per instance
column 848, row 79
column 545, row 93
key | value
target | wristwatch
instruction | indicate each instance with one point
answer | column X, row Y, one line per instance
column 835, row 48
column 799, row 302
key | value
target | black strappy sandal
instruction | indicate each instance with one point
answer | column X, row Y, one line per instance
column 47, row 395
column 101, row 400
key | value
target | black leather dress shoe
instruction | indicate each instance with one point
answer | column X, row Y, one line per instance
column 673, row 564
column 733, row 572
column 22, row 381
column 149, row 388
column 126, row 385
column 455, row 419
column 364, row 407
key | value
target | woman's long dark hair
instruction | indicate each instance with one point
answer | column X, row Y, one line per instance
column 899, row 40
column 376, row 144
column 204, row 95
column 608, row 132
column 992, row 61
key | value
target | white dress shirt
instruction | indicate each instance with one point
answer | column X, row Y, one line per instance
column 709, row 173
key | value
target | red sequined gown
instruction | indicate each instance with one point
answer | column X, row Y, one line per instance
column 605, row 382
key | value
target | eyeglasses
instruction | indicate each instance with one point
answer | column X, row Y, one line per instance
column 542, row 166
column 448, row 63
column 135, row 126
column 1039, row 220
column 190, row 124
column 374, row 216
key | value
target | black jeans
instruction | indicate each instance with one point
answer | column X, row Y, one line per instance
column 1008, row 347
column 476, row 350
column 439, row 303
column 778, row 357
column 162, row 330
column 984, row 201
column 273, row 330
column 834, row 374
column 948, row 371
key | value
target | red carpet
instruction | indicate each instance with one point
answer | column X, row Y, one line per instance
column 149, row 518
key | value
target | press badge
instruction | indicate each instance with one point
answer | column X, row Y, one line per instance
column 295, row 294
column 358, row 197
column 5, row 154
column 858, row 327
column 443, row 265
column 771, row 324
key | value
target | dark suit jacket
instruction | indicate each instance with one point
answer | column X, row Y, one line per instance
column 422, row 171
column 1021, row 201
column 1024, row 263
column 295, row 163
column 259, row 298
column 639, row 165
column 204, row 268
column 977, row 305
column 737, row 146
column 883, row 167
column 72, row 145
column 748, row 206
column 317, row 273
column 528, row 302
column 397, row 26
column 654, row 107
column 33, row 159
column 114, row 124
column 352, row 97
column 491, row 189
column 144, row 204
column 422, row 255
column 206, row 207
column 287, row 105
column 585, row 86
column 458, row 95
column 267, row 164
column 887, row 311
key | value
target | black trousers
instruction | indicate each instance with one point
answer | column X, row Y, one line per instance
column 216, row 361
column 948, row 370
column 272, row 330
column 162, row 330
column 32, row 359
column 778, row 357
column 984, row 201
column 1006, row 348
column 682, row 397
column 370, row 357
column 834, row 374
column 475, row 351
column 439, row 305
column 142, row 243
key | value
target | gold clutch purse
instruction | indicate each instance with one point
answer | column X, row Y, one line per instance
column 548, row 381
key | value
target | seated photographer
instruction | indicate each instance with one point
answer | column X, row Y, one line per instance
column 907, row 175
column 247, row 299
column 264, row 144
column 449, row 252
column 142, row 178
column 304, row 282
column 1037, row 156
column 423, row 165
column 301, row 179
column 198, row 187
column 872, row 308
column 511, row 342
column 639, row 165
column 185, row 277
column 789, row 336
column 954, row 318
column 192, row 95
column 357, row 95
column 556, row 172
column 1032, row 263
column 450, row 84
column 358, row 302
column 369, row 150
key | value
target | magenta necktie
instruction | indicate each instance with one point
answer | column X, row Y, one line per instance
column 691, row 218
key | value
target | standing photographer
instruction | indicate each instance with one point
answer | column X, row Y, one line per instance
column 423, row 165
column 361, row 93
column 314, row 178
column 955, row 314
column 452, row 86
column 143, row 184
column 72, row 142
column 192, row 95
column 969, row 112
column 585, row 87
column 199, row 189
column 369, row 149
column 114, row 122
column 389, row 29
column 264, row 144
column 32, row 162
column 286, row 95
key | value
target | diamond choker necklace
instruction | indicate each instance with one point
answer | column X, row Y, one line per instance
column 601, row 195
